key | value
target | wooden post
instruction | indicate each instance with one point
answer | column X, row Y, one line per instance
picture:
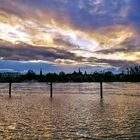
column 51, row 95
column 101, row 89
column 10, row 84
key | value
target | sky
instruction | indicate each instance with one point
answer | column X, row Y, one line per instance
column 65, row 35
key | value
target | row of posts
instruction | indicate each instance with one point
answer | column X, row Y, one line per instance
column 51, row 89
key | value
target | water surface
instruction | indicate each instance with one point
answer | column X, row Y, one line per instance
column 75, row 112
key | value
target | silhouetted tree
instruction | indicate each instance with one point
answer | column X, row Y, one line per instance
column 132, row 75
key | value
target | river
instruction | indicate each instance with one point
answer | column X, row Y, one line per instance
column 75, row 111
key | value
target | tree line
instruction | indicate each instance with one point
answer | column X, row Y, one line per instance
column 131, row 74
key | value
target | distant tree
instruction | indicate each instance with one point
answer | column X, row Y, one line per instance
column 30, row 72
column 134, row 70
column 61, row 73
column 30, row 75
column 132, row 75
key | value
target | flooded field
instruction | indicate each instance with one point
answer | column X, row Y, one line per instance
column 75, row 112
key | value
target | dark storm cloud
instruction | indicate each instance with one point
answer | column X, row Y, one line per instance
column 129, row 45
column 130, row 48
column 27, row 52
column 121, row 64
column 118, row 63
column 126, row 47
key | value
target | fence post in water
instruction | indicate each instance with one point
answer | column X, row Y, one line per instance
column 101, row 89
column 10, row 84
column 51, row 95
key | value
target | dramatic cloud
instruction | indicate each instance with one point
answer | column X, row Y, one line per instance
column 90, row 33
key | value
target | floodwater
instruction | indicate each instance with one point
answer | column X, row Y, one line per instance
column 76, row 112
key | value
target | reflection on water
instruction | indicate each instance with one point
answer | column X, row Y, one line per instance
column 75, row 112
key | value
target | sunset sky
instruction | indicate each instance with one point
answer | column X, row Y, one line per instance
column 64, row 35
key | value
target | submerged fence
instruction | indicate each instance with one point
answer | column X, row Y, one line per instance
column 51, row 89
column 100, row 88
